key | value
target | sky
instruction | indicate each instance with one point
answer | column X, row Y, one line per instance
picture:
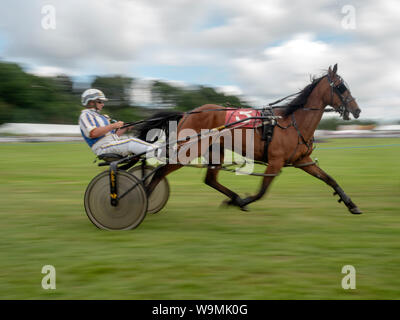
column 261, row 49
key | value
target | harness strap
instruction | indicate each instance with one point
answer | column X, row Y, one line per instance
column 301, row 165
column 298, row 131
column 299, row 136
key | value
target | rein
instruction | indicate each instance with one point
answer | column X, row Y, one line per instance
column 129, row 124
column 339, row 89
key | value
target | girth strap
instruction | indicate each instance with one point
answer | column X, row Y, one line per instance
column 267, row 131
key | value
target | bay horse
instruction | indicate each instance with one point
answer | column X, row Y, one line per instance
column 292, row 139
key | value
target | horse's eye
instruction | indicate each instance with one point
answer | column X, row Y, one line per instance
column 341, row 88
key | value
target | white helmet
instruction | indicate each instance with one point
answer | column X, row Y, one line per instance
column 92, row 94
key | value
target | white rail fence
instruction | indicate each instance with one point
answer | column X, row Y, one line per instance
column 34, row 132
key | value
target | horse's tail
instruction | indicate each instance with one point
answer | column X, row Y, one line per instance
column 159, row 120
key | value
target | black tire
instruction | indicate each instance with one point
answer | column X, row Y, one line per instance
column 159, row 198
column 130, row 211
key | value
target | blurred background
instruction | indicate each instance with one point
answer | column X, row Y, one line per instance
column 177, row 54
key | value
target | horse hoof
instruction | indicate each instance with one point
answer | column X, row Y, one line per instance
column 238, row 202
column 227, row 202
column 355, row 210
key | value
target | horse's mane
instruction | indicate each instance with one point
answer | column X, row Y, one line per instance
column 301, row 98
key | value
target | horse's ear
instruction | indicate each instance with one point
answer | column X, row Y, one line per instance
column 330, row 70
column 334, row 69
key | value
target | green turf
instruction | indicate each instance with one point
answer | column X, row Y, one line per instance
column 291, row 245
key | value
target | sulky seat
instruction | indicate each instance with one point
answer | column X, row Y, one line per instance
column 110, row 157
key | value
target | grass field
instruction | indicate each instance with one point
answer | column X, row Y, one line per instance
column 291, row 245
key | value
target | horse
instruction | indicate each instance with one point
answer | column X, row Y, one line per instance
column 291, row 143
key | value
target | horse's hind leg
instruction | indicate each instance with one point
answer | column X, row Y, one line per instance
column 317, row 172
column 272, row 170
column 211, row 180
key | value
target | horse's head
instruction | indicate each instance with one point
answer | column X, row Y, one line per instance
column 340, row 97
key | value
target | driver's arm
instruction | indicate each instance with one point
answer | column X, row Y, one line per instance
column 101, row 131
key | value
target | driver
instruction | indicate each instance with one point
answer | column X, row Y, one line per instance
column 103, row 136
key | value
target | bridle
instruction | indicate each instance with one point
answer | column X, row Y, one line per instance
column 343, row 110
column 339, row 89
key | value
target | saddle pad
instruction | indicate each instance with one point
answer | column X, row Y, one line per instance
column 240, row 114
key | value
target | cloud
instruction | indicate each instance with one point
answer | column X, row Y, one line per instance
column 230, row 90
column 283, row 69
column 267, row 49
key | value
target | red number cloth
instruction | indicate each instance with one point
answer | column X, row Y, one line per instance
column 240, row 114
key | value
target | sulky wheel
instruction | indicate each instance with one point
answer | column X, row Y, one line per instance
column 159, row 197
column 131, row 209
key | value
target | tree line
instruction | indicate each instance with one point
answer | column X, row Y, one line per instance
column 29, row 98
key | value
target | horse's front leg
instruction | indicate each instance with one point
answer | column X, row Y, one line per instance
column 317, row 172
column 273, row 169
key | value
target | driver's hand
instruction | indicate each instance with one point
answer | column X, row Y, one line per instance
column 117, row 125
